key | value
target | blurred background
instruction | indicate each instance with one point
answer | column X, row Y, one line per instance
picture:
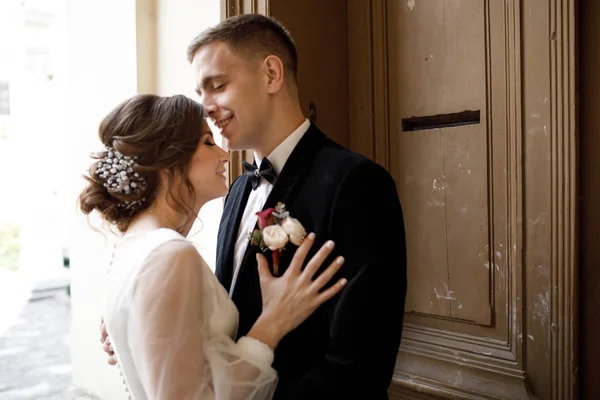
column 63, row 65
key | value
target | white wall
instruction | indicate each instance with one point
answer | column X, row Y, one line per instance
column 118, row 48
column 178, row 22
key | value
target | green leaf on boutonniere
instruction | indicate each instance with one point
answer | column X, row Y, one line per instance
column 280, row 216
column 256, row 238
column 280, row 207
column 280, row 213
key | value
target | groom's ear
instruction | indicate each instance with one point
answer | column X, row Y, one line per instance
column 274, row 69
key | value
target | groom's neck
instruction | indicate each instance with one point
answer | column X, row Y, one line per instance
column 285, row 120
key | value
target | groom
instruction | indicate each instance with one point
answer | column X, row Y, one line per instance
column 245, row 71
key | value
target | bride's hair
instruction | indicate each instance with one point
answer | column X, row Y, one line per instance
column 142, row 136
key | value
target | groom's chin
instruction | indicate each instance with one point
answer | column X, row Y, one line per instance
column 232, row 145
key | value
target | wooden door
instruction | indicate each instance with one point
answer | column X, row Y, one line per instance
column 452, row 141
column 589, row 197
column 470, row 104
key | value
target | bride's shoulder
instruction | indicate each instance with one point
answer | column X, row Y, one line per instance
column 172, row 255
column 172, row 246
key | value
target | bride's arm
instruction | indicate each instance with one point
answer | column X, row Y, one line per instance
column 168, row 335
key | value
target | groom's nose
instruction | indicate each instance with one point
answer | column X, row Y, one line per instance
column 210, row 106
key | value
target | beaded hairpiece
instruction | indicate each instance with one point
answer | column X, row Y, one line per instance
column 119, row 176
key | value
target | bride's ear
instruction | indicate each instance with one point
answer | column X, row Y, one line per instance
column 275, row 73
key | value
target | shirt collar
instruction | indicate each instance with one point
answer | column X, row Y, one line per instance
column 280, row 155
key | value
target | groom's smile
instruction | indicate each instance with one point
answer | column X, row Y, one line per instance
column 223, row 123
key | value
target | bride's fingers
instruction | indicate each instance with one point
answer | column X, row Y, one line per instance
column 317, row 260
column 263, row 267
column 326, row 275
column 330, row 292
column 300, row 254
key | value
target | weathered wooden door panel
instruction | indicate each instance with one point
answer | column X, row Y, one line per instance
column 470, row 106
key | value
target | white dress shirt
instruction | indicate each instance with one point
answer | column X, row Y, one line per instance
column 258, row 197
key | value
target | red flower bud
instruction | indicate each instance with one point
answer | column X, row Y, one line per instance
column 265, row 217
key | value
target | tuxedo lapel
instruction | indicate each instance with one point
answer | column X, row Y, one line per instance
column 294, row 170
column 228, row 230
column 296, row 166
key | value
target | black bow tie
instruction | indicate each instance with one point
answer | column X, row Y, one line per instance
column 255, row 174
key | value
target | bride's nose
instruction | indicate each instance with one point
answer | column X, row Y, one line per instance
column 224, row 156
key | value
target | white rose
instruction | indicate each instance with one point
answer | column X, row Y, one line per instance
column 274, row 237
column 294, row 228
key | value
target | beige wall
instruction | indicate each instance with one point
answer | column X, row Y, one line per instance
column 118, row 48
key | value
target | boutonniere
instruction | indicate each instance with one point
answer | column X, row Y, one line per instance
column 276, row 229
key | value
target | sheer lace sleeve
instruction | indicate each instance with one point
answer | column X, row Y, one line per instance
column 167, row 327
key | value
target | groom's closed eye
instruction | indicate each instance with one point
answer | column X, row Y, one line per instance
column 211, row 83
column 212, row 89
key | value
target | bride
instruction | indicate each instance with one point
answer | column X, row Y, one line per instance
column 170, row 321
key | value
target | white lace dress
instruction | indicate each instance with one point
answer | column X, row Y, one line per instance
column 171, row 324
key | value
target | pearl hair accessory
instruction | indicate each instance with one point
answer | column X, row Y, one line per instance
column 119, row 176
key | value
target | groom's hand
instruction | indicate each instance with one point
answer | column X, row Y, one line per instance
column 106, row 346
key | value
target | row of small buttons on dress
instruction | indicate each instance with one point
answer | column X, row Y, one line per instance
column 123, row 378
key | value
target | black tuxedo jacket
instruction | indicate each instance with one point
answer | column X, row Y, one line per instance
column 347, row 348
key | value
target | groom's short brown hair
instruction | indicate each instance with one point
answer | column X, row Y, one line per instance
column 253, row 35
